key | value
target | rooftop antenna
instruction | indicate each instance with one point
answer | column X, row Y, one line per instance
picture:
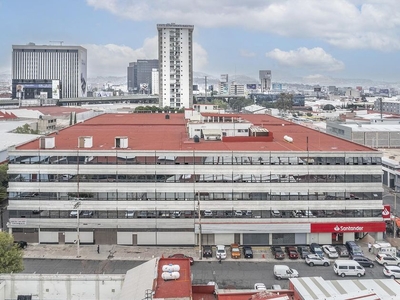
column 60, row 42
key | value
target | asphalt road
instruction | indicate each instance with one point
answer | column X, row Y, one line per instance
column 228, row 274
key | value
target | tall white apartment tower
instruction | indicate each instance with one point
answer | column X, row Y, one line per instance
column 49, row 68
column 175, row 56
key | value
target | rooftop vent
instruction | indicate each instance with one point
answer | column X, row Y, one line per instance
column 288, row 139
column 47, row 142
column 85, row 142
column 167, row 117
column 196, row 139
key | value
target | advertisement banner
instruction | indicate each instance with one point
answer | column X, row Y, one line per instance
column 386, row 212
column 55, row 89
column 348, row 227
column 251, row 86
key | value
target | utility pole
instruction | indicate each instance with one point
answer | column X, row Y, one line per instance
column 199, row 215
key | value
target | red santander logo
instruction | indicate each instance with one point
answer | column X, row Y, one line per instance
column 386, row 212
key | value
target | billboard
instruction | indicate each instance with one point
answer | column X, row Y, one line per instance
column 277, row 86
column 83, row 73
column 317, row 89
column 251, row 86
column 55, row 89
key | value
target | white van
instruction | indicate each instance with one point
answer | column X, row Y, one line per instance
column 283, row 271
column 348, row 268
column 388, row 250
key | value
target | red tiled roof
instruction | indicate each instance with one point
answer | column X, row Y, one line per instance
column 5, row 115
column 155, row 132
column 178, row 288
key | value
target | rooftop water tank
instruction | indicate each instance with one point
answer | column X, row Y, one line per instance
column 196, row 139
column 171, row 268
column 170, row 275
column 288, row 139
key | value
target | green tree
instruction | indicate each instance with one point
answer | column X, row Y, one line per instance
column 26, row 129
column 10, row 255
column 220, row 103
column 3, row 181
column 284, row 102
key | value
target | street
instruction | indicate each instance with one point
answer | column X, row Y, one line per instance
column 228, row 274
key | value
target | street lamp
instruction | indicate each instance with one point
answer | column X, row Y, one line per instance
column 76, row 206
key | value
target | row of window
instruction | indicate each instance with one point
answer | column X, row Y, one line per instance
column 292, row 178
column 195, row 160
column 203, row 196
column 193, row 214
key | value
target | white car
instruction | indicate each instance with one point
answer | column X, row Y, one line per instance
column 129, row 214
column 238, row 213
column 208, row 213
column 330, row 251
column 176, row 214
column 392, row 271
column 220, row 253
column 260, row 286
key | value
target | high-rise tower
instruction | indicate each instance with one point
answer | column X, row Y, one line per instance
column 265, row 78
column 175, row 56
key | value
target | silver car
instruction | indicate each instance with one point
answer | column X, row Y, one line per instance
column 316, row 260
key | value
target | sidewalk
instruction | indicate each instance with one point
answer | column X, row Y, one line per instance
column 118, row 252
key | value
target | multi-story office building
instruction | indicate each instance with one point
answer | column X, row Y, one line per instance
column 155, row 84
column 236, row 89
column 61, row 71
column 175, row 54
column 252, row 179
column 265, row 78
column 140, row 75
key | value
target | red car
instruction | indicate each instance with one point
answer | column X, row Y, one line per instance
column 292, row 252
column 180, row 255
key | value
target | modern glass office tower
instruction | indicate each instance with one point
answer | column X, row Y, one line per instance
column 175, row 55
column 59, row 70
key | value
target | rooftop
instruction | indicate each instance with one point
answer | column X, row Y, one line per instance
column 156, row 132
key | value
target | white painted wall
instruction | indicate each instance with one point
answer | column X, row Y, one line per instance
column 175, row 238
column 224, row 238
column 48, row 236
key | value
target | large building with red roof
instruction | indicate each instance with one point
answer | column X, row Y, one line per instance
column 147, row 179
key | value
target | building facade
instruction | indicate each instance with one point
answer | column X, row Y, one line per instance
column 209, row 178
column 140, row 75
column 265, row 79
column 61, row 71
column 175, row 55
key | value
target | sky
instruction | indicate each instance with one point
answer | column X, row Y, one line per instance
column 350, row 39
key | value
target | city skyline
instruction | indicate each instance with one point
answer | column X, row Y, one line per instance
column 294, row 39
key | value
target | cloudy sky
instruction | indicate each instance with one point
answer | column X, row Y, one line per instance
column 354, row 39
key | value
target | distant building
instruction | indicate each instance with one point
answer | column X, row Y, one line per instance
column 59, row 71
column 140, row 75
column 236, row 89
column 175, row 54
column 265, row 78
column 391, row 106
column 155, row 83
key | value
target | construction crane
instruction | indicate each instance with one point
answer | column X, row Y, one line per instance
column 60, row 42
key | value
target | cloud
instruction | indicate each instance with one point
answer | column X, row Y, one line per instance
column 311, row 59
column 246, row 53
column 373, row 24
column 112, row 60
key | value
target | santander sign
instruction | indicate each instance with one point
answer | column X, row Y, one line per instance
column 342, row 228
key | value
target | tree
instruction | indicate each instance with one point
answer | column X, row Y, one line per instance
column 3, row 181
column 10, row 255
column 26, row 129
column 284, row 102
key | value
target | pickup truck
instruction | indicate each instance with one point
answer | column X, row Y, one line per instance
column 235, row 251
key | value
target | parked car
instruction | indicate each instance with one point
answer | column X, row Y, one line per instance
column 220, row 252
column 207, row 251
column 21, row 244
column 316, row 260
column 330, row 251
column 277, row 252
column 208, row 213
column 276, row 214
column 387, row 260
column 129, row 214
column 342, row 250
column 247, row 252
column 353, row 249
column 142, row 214
column 292, row 252
column 297, row 214
column 235, row 251
column 316, row 249
column 284, row 272
column 392, row 272
column 303, row 251
column 87, row 214
column 180, row 255
column 176, row 214
column 308, row 214
column 238, row 213
column 364, row 261
column 260, row 287
column 248, row 213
